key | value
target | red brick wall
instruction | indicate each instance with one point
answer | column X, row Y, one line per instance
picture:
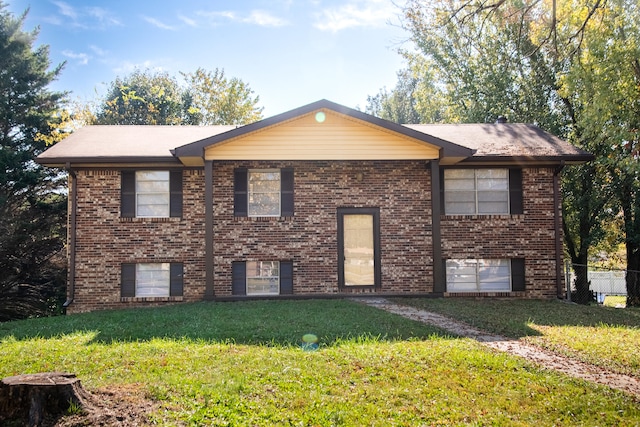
column 400, row 189
column 104, row 241
column 310, row 238
column 530, row 235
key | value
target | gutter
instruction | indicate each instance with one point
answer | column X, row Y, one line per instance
column 73, row 201
column 557, row 227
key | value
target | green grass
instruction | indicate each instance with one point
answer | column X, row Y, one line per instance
column 604, row 336
column 241, row 364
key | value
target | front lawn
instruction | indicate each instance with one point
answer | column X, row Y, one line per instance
column 604, row 336
column 242, row 364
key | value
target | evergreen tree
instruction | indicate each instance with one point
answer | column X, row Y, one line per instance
column 32, row 207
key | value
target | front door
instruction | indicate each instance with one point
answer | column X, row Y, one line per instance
column 358, row 247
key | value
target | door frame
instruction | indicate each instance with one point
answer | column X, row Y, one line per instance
column 377, row 268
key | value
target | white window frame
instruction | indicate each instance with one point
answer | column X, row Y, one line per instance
column 250, row 192
column 469, row 275
column 153, row 192
column 262, row 271
column 153, row 279
column 476, row 191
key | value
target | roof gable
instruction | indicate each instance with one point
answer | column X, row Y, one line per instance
column 320, row 131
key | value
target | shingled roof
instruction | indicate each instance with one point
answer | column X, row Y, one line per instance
column 465, row 143
column 506, row 141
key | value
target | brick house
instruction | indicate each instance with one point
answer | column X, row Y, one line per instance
column 319, row 201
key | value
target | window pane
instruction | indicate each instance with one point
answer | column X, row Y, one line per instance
column 264, row 186
column 461, row 276
column 153, row 205
column 264, row 205
column 152, row 176
column 460, row 202
column 495, row 275
column 458, row 174
column 152, row 280
column 493, row 202
column 491, row 174
column 492, row 179
column 152, row 186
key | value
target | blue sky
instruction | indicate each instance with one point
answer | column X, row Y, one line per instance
column 290, row 52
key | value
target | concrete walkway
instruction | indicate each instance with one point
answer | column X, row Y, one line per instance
column 541, row 357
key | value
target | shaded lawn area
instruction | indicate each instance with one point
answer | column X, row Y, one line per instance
column 242, row 364
column 604, row 336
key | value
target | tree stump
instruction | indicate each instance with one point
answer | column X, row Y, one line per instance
column 34, row 398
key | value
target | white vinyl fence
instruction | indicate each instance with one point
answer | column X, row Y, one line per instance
column 603, row 282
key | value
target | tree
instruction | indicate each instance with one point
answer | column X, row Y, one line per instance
column 399, row 105
column 607, row 79
column 216, row 100
column 32, row 205
column 518, row 58
column 208, row 98
column 143, row 98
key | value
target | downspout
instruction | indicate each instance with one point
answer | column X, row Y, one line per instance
column 557, row 227
column 209, row 293
column 436, row 233
column 72, row 204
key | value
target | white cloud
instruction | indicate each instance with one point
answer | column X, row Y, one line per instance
column 264, row 19
column 97, row 50
column 255, row 17
column 190, row 22
column 157, row 23
column 66, row 9
column 85, row 17
column 103, row 16
column 357, row 13
column 83, row 58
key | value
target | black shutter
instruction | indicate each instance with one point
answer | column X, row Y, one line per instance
column 175, row 196
column 442, row 210
column 286, row 277
column 515, row 191
column 176, row 283
column 128, row 280
column 240, row 194
column 128, row 194
column 239, row 278
column 517, row 274
column 286, row 192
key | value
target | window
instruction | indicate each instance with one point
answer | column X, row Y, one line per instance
column 476, row 191
column 162, row 279
column 152, row 280
column 262, row 277
column 263, row 192
column 484, row 275
column 151, row 194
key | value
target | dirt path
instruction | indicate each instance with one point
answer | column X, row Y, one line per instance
column 544, row 358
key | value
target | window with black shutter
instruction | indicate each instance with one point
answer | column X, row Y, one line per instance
column 152, row 279
column 151, row 194
column 263, row 192
column 484, row 191
column 262, row 278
